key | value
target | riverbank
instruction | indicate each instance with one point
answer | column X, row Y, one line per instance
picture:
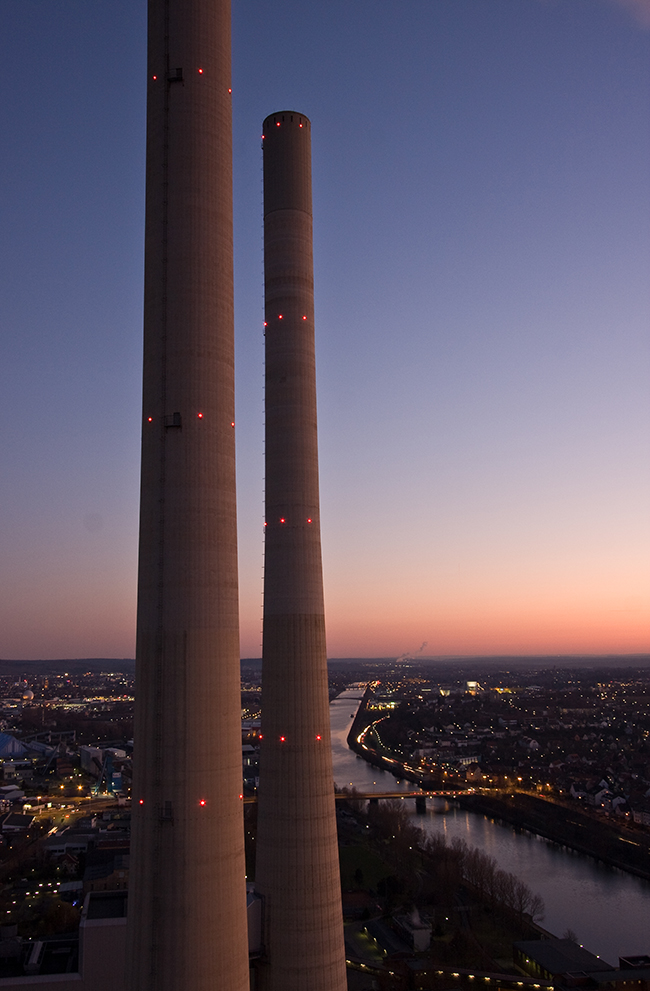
column 611, row 844
column 364, row 741
column 621, row 848
column 608, row 909
column 390, row 867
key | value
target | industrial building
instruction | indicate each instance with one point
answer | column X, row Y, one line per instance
column 297, row 866
column 187, row 923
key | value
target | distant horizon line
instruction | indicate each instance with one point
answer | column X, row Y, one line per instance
column 387, row 658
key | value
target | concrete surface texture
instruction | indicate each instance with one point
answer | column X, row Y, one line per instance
column 297, row 867
column 187, row 898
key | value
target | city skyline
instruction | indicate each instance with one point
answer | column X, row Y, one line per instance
column 481, row 257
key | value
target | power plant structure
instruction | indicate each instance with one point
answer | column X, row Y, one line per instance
column 187, row 897
column 297, row 864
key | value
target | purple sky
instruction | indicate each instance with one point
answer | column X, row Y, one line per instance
column 482, row 250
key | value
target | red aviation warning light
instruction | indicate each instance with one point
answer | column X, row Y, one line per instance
column 282, row 739
column 200, row 72
column 277, row 123
column 150, row 419
column 304, row 318
column 318, row 734
column 309, row 519
column 199, row 416
column 282, row 519
column 201, row 801
column 141, row 802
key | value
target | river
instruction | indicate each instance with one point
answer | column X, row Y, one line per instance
column 608, row 909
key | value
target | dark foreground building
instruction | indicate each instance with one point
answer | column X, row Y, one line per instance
column 297, row 854
column 187, row 898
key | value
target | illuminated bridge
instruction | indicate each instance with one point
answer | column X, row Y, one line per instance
column 373, row 796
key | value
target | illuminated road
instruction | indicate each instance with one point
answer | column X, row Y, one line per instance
column 62, row 812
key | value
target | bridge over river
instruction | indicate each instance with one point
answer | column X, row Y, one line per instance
column 374, row 796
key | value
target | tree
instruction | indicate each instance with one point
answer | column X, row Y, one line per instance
column 537, row 912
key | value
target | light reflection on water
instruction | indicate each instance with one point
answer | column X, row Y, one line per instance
column 608, row 909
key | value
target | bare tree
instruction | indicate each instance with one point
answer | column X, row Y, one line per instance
column 537, row 911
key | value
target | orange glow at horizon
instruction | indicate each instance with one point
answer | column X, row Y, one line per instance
column 576, row 612
column 589, row 628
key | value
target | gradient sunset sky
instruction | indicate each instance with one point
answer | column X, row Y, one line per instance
column 482, row 253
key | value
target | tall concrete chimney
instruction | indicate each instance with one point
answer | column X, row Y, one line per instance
column 187, row 911
column 297, row 853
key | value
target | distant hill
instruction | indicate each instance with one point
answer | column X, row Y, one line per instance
column 506, row 662
column 79, row 665
column 76, row 665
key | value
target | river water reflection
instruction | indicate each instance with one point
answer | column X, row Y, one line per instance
column 607, row 909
